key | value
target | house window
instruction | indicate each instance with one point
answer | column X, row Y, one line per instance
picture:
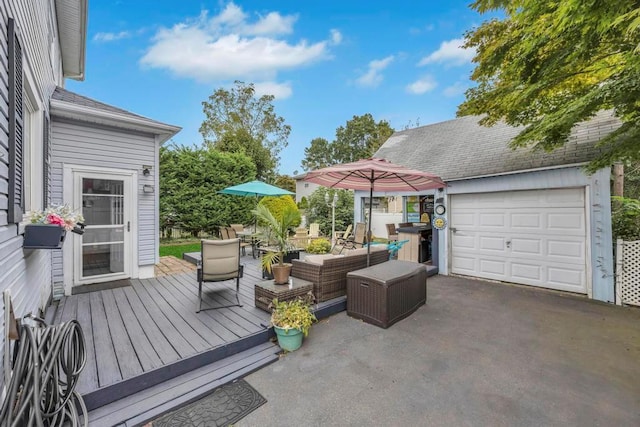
column 306, row 185
column 32, row 148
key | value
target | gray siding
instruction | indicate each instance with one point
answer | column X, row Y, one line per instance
column 26, row 274
column 87, row 145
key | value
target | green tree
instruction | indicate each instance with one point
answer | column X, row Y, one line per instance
column 551, row 64
column 278, row 205
column 360, row 138
column 317, row 155
column 239, row 141
column 236, row 113
column 286, row 182
column 190, row 178
column 319, row 211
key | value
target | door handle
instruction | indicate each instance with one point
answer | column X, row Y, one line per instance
column 453, row 229
column 508, row 242
column 128, row 225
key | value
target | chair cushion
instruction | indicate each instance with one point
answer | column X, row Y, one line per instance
column 355, row 252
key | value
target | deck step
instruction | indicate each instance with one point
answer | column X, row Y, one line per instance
column 151, row 403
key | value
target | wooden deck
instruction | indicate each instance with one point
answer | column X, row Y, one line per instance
column 141, row 335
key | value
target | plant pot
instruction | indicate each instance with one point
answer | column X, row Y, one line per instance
column 281, row 273
column 289, row 339
column 43, row 236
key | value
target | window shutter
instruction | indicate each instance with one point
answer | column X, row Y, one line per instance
column 16, row 112
column 46, row 161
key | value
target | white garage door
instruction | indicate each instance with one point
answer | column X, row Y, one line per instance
column 533, row 237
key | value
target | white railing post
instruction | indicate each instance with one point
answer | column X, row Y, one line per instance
column 619, row 270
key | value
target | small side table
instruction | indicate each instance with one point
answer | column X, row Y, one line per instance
column 266, row 291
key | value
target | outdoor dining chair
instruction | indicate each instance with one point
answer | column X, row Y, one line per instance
column 231, row 233
column 392, row 233
column 220, row 261
column 359, row 237
column 237, row 227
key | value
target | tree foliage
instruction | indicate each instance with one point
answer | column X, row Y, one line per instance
column 551, row 64
column 189, row 181
column 625, row 218
column 286, row 182
column 237, row 116
column 358, row 139
column 281, row 204
column 319, row 211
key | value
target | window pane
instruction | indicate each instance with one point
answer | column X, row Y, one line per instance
column 102, row 259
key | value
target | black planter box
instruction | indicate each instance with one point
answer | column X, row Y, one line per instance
column 43, row 236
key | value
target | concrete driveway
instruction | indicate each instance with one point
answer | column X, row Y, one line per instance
column 478, row 354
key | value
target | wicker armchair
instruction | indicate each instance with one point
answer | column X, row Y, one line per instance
column 330, row 278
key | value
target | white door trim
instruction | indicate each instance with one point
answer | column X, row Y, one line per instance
column 73, row 240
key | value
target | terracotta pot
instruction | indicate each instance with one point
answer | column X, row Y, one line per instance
column 281, row 273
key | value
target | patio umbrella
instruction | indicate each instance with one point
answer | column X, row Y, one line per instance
column 373, row 175
column 257, row 189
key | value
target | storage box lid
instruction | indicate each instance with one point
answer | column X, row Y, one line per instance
column 389, row 270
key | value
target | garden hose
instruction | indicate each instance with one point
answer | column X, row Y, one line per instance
column 47, row 364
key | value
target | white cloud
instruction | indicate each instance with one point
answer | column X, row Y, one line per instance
column 458, row 88
column 336, row 36
column 109, row 37
column 279, row 90
column 231, row 46
column 450, row 53
column 373, row 77
column 422, row 85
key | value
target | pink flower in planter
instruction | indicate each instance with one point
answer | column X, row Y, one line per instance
column 55, row 220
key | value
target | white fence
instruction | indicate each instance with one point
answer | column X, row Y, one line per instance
column 628, row 272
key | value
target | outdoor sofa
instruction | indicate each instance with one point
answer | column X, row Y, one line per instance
column 329, row 272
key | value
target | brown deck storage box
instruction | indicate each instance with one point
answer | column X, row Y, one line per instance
column 386, row 293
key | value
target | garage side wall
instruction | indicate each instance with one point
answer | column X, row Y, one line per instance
column 599, row 214
column 88, row 145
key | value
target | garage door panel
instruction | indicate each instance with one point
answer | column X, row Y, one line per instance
column 492, row 243
column 464, row 264
column 526, row 247
column 546, row 231
column 529, row 274
column 493, row 267
column 526, row 221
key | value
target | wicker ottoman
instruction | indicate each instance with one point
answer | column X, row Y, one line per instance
column 266, row 291
column 387, row 292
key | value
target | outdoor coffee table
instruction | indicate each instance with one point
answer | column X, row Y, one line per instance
column 266, row 291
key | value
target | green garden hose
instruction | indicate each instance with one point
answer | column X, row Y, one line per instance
column 47, row 364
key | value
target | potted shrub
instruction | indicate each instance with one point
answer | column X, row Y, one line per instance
column 48, row 228
column 292, row 320
column 276, row 234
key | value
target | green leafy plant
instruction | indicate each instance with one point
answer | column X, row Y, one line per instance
column 278, row 204
column 625, row 218
column 293, row 314
column 276, row 233
column 319, row 246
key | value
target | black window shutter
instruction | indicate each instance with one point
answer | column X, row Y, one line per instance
column 16, row 114
column 46, row 161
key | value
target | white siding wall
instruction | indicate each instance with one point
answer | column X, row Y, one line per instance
column 26, row 274
column 82, row 143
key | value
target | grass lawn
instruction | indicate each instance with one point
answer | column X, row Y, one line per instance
column 179, row 249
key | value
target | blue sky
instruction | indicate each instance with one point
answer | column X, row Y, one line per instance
column 324, row 61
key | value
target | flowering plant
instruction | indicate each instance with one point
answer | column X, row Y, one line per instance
column 63, row 216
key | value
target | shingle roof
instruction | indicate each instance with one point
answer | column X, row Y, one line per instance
column 64, row 95
column 462, row 148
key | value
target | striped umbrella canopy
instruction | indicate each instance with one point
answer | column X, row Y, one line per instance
column 374, row 175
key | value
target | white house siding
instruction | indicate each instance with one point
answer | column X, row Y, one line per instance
column 93, row 145
column 598, row 215
column 26, row 274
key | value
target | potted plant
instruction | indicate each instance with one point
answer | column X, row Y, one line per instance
column 49, row 227
column 291, row 320
column 276, row 234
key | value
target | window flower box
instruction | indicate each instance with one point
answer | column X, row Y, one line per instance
column 43, row 236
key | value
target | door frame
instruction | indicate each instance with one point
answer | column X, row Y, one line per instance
column 73, row 241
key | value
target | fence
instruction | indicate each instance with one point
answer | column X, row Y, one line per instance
column 628, row 272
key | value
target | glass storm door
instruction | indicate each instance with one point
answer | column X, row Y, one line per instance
column 105, row 251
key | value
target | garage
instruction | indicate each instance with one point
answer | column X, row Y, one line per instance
column 533, row 237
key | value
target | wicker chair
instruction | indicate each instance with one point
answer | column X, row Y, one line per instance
column 220, row 261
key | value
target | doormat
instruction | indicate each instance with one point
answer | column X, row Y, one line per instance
column 83, row 289
column 225, row 406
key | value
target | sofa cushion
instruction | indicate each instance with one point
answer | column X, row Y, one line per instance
column 355, row 252
column 319, row 259
column 381, row 247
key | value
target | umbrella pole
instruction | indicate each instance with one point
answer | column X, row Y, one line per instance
column 369, row 232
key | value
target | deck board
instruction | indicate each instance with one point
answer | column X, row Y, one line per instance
column 139, row 335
